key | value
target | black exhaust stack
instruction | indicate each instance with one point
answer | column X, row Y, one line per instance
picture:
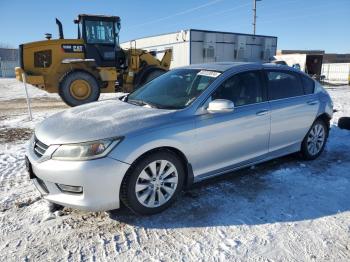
column 60, row 29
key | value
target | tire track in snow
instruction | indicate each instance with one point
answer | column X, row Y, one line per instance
column 13, row 178
column 245, row 212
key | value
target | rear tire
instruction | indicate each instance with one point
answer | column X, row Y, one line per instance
column 79, row 88
column 152, row 183
column 149, row 75
column 315, row 140
column 153, row 75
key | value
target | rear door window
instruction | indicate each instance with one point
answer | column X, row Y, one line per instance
column 283, row 84
column 309, row 84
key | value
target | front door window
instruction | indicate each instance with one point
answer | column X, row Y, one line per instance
column 242, row 89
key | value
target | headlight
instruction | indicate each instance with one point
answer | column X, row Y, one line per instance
column 85, row 151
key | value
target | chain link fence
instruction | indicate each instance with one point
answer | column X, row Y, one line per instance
column 7, row 68
column 339, row 72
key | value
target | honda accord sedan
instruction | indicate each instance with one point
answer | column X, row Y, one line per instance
column 187, row 125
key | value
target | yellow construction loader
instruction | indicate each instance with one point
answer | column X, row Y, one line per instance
column 80, row 69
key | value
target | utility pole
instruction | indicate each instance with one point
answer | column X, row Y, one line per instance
column 254, row 16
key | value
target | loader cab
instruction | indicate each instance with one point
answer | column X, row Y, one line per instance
column 101, row 38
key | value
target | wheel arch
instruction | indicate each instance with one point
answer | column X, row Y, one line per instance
column 189, row 177
column 76, row 70
column 324, row 117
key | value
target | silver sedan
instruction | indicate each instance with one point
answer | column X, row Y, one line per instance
column 187, row 125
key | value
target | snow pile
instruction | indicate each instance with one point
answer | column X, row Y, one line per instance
column 341, row 100
column 13, row 89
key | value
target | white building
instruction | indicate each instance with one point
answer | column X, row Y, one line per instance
column 194, row 46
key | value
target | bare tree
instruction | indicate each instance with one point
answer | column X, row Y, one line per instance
column 6, row 45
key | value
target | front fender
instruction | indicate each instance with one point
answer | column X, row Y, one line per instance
column 180, row 137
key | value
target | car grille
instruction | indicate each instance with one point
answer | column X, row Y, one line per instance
column 39, row 147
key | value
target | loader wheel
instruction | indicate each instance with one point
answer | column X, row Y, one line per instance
column 152, row 75
column 148, row 76
column 79, row 88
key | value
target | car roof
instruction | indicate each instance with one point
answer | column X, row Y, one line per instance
column 224, row 66
column 279, row 66
column 219, row 66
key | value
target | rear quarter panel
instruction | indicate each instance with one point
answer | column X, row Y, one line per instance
column 326, row 103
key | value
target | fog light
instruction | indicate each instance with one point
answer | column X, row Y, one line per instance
column 70, row 189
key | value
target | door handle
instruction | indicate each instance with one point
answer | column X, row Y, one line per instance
column 312, row 102
column 262, row 112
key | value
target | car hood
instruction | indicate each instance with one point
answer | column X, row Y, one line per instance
column 93, row 121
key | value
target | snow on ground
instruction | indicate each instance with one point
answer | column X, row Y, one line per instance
column 12, row 89
column 283, row 210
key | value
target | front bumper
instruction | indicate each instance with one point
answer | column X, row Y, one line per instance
column 30, row 79
column 101, row 180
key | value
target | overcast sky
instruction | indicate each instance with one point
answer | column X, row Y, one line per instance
column 298, row 24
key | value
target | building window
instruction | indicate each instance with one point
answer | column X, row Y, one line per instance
column 208, row 52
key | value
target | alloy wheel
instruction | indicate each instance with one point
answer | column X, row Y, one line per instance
column 156, row 183
column 316, row 139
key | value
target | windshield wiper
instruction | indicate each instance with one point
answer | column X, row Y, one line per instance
column 170, row 107
column 140, row 102
column 124, row 98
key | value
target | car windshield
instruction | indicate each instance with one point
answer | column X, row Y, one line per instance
column 174, row 90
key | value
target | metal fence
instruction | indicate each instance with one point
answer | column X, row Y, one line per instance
column 336, row 71
column 7, row 68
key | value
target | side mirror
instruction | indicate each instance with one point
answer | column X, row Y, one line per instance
column 220, row 106
column 296, row 66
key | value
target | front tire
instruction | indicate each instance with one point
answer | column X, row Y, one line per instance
column 79, row 88
column 315, row 140
column 153, row 183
